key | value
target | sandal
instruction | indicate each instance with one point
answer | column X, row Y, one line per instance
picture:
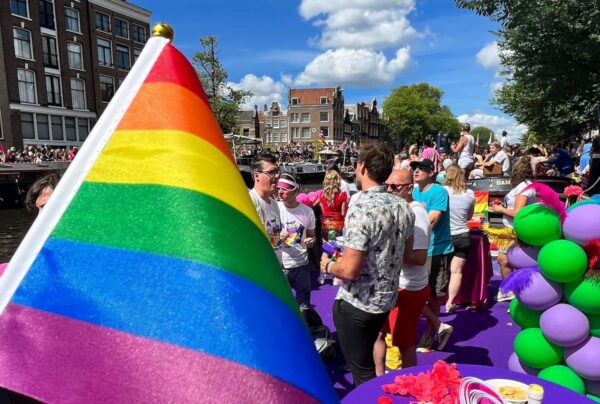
column 450, row 308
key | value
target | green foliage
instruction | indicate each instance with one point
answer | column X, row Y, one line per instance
column 415, row 112
column 481, row 131
column 550, row 54
column 225, row 101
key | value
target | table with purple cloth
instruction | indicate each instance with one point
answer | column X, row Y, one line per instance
column 477, row 272
column 553, row 393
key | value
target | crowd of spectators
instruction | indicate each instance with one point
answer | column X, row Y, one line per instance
column 296, row 152
column 37, row 154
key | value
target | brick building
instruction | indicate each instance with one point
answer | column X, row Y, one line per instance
column 365, row 123
column 249, row 123
column 312, row 111
column 60, row 63
column 276, row 127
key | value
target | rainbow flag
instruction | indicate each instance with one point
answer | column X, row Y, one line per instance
column 482, row 203
column 147, row 277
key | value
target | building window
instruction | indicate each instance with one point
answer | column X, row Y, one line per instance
column 22, row 41
column 121, row 28
column 72, row 20
column 46, row 13
column 75, row 56
column 57, row 127
column 294, row 101
column 104, row 52
column 83, row 126
column 78, row 93
column 306, row 117
column 325, row 131
column 284, row 137
column 102, row 22
column 276, row 123
column 295, row 118
column 43, row 129
column 324, row 116
column 50, row 52
column 70, row 129
column 19, row 7
column 27, row 130
column 138, row 33
column 295, row 133
column 107, row 88
column 246, row 132
column 276, row 137
column 136, row 54
column 306, row 133
column 26, row 80
column 323, row 100
column 283, row 123
column 53, row 90
column 122, row 59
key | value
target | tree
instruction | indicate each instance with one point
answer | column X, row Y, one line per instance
column 549, row 50
column 224, row 100
column 482, row 132
column 415, row 112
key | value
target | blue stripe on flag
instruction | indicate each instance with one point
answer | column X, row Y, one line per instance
column 180, row 302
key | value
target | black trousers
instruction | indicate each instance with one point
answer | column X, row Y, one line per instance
column 357, row 332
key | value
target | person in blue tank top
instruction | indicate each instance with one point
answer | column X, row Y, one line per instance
column 437, row 204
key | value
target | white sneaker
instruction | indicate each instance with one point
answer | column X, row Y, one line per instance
column 505, row 297
column 443, row 335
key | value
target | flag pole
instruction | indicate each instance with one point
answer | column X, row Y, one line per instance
column 69, row 185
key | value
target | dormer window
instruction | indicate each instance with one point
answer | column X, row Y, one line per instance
column 295, row 101
column 323, row 100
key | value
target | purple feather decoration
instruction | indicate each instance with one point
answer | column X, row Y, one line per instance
column 518, row 280
column 549, row 198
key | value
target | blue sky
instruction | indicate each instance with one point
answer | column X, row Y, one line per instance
column 367, row 46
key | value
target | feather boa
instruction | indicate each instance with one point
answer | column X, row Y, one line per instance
column 592, row 251
column 503, row 238
column 518, row 280
column 549, row 198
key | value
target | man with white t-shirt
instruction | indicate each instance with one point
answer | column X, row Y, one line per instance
column 297, row 236
column 499, row 157
column 265, row 172
column 413, row 289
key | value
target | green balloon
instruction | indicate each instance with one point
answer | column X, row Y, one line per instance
column 594, row 398
column 564, row 376
column 537, row 225
column 584, row 294
column 535, row 351
column 594, row 324
column 524, row 317
column 562, row 261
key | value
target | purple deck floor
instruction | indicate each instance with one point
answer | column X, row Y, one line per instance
column 481, row 338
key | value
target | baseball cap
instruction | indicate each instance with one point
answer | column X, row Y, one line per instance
column 423, row 165
column 288, row 182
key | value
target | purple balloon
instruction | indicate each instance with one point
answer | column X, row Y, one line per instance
column 522, row 255
column 584, row 359
column 582, row 224
column 541, row 294
column 564, row 325
column 516, row 365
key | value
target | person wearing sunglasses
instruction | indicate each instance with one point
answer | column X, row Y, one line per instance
column 265, row 173
column 413, row 286
column 437, row 205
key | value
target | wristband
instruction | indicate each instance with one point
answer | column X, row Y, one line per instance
column 327, row 266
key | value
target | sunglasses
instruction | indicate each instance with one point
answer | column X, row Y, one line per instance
column 271, row 174
column 396, row 187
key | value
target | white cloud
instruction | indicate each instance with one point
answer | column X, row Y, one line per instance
column 497, row 124
column 361, row 23
column 495, row 86
column 264, row 88
column 354, row 67
column 489, row 56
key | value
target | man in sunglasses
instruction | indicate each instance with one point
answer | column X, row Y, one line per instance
column 437, row 204
column 265, row 173
column 413, row 288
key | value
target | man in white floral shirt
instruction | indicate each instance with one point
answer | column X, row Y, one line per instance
column 376, row 229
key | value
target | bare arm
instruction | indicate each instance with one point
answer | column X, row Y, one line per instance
column 344, row 208
column 348, row 268
column 457, row 148
column 520, row 201
column 434, row 217
column 412, row 256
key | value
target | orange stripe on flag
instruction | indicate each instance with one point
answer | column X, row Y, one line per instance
column 152, row 109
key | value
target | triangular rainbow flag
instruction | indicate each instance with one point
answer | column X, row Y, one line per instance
column 147, row 277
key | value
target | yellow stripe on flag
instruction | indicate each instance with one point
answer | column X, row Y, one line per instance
column 176, row 159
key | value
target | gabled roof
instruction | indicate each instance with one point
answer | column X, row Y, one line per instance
column 312, row 96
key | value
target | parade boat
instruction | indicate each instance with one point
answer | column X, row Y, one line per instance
column 306, row 172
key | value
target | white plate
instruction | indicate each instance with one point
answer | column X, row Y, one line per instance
column 496, row 383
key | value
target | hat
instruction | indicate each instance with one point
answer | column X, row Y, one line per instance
column 423, row 165
column 288, row 182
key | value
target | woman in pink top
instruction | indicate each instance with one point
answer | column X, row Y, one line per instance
column 432, row 154
column 334, row 203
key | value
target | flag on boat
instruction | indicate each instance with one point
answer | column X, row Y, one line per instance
column 482, row 202
column 147, row 277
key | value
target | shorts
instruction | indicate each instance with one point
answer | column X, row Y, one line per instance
column 439, row 275
column 465, row 164
column 404, row 318
column 462, row 245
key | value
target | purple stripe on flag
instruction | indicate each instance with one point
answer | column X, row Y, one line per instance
column 57, row 359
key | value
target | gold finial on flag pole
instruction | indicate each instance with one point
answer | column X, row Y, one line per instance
column 164, row 30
